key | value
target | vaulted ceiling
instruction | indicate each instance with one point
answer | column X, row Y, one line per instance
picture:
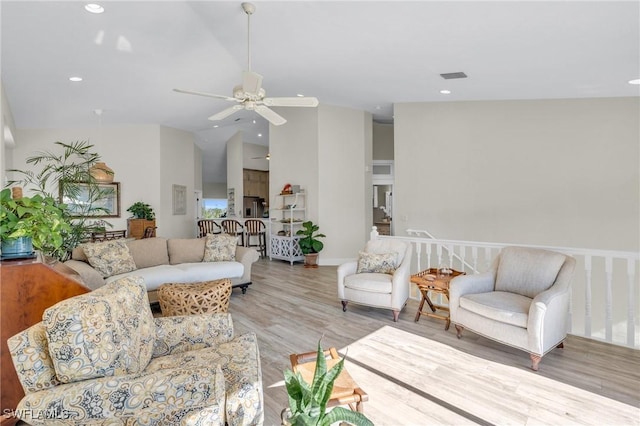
column 358, row 54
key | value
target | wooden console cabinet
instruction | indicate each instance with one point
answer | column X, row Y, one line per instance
column 27, row 288
column 136, row 227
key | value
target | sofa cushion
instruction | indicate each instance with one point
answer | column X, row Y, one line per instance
column 109, row 257
column 154, row 276
column 206, row 271
column 220, row 247
column 527, row 271
column 107, row 332
column 185, row 250
column 501, row 306
column 383, row 263
column 149, row 252
column 371, row 282
column 240, row 362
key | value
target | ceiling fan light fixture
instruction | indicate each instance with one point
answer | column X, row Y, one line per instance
column 93, row 8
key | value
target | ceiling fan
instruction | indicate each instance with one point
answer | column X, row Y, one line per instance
column 264, row 157
column 250, row 95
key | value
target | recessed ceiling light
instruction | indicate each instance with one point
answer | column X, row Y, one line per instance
column 254, row 121
column 259, row 135
column 300, row 95
column 636, row 81
column 93, row 8
column 215, row 126
column 445, row 92
column 75, row 79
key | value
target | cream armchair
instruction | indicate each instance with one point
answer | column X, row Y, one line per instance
column 522, row 301
column 379, row 278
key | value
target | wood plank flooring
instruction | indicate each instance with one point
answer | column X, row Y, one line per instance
column 418, row 373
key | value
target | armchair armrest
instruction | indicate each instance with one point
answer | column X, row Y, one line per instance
column 247, row 256
column 400, row 282
column 345, row 270
column 91, row 278
column 186, row 333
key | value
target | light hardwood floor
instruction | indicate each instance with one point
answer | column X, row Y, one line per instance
column 290, row 307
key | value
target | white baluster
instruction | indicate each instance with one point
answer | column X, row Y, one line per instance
column 463, row 251
column 587, row 296
column 428, row 244
column 608, row 267
column 418, row 247
column 474, row 255
column 631, row 299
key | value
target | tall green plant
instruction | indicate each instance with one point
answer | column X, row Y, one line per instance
column 308, row 403
column 66, row 174
column 309, row 243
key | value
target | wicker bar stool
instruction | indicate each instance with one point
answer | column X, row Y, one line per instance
column 208, row 226
column 255, row 227
column 195, row 298
column 233, row 227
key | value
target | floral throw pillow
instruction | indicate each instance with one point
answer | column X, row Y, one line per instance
column 220, row 247
column 381, row 263
column 110, row 257
column 107, row 332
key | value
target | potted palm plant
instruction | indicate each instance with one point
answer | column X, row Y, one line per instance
column 308, row 402
column 309, row 244
column 31, row 222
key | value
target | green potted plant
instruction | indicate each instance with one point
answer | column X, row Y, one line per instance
column 60, row 174
column 31, row 222
column 309, row 243
column 142, row 210
column 143, row 218
column 308, row 402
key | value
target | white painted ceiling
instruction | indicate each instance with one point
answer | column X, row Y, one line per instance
column 359, row 54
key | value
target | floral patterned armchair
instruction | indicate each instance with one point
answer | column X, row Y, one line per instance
column 102, row 359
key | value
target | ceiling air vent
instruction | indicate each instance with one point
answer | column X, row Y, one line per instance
column 452, row 75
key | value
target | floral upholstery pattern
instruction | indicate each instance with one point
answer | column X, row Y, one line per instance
column 199, row 375
column 240, row 362
column 382, row 263
column 220, row 247
column 109, row 257
column 107, row 332
column 161, row 398
column 188, row 333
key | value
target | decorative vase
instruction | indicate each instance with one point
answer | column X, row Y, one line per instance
column 101, row 173
column 17, row 248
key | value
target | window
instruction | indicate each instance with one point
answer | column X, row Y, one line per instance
column 214, row 207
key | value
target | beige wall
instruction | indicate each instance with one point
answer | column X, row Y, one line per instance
column 234, row 171
column 549, row 172
column 382, row 141
column 215, row 190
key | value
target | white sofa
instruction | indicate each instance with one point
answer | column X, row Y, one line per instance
column 174, row 260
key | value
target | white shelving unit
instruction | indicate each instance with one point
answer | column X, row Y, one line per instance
column 286, row 219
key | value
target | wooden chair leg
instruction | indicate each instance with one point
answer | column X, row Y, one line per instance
column 560, row 345
column 344, row 305
column 459, row 329
column 396, row 314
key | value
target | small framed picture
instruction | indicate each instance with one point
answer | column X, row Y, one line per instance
column 179, row 199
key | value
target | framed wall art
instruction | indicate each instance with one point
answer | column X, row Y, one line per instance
column 95, row 200
column 179, row 199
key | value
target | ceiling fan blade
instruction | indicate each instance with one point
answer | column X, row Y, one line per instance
column 208, row 95
column 251, row 82
column 298, row 101
column 271, row 116
column 225, row 113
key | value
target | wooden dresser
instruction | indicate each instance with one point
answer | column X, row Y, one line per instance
column 27, row 288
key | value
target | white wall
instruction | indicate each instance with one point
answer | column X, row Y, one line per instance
column 235, row 176
column 325, row 150
column 177, row 154
column 143, row 158
column 344, row 197
column 549, row 172
column 215, row 190
column 382, row 141
column 254, row 157
column 7, row 136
